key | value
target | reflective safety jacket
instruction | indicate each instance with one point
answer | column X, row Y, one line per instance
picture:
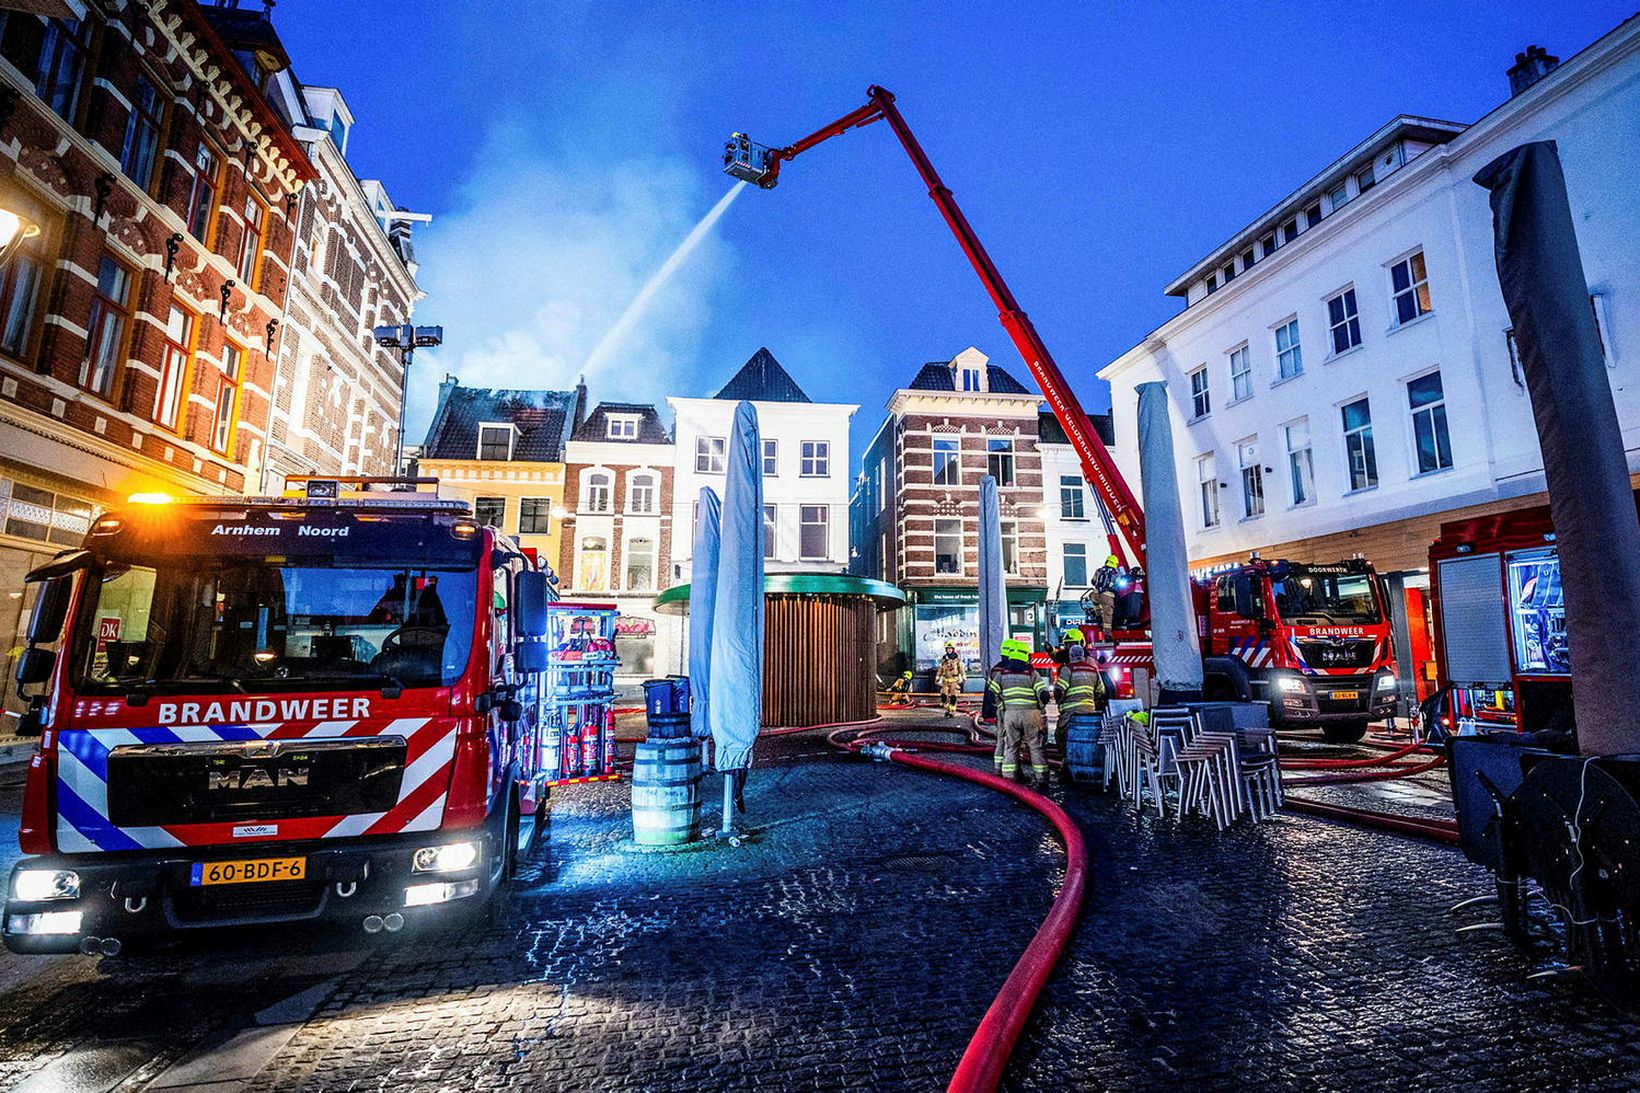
column 1018, row 686
column 1080, row 688
column 950, row 670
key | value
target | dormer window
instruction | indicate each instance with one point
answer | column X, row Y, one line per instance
column 970, row 378
column 495, row 441
column 621, row 427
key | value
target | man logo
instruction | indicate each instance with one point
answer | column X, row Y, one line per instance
column 256, row 778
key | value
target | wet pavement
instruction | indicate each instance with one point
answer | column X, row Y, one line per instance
column 853, row 943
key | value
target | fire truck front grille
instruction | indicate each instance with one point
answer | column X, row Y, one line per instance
column 1350, row 653
column 157, row 784
column 285, row 901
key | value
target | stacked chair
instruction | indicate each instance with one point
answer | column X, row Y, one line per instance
column 1223, row 775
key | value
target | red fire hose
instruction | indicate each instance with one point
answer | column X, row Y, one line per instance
column 1365, row 776
column 1440, row 830
column 980, row 1069
column 1300, row 763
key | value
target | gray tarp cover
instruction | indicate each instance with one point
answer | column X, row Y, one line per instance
column 703, row 567
column 1590, row 499
column 1167, row 564
column 993, row 591
column 736, row 708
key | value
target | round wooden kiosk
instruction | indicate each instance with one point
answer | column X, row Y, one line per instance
column 819, row 645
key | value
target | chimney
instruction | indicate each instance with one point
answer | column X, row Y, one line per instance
column 1530, row 67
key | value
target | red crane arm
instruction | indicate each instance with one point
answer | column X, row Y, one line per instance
column 1097, row 464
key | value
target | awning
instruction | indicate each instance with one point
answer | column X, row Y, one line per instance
column 675, row 600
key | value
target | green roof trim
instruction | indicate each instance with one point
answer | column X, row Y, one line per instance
column 675, row 600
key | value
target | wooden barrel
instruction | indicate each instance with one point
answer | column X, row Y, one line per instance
column 666, row 792
column 1084, row 760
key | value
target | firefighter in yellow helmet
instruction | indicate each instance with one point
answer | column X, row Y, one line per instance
column 1079, row 691
column 950, row 674
column 1021, row 694
column 900, row 690
column 1104, row 593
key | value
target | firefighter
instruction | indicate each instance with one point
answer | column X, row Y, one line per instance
column 1070, row 638
column 900, row 691
column 1021, row 695
column 951, row 675
column 1080, row 689
column 1104, row 593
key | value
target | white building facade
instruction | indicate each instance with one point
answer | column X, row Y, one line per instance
column 1343, row 378
column 805, row 467
column 1073, row 527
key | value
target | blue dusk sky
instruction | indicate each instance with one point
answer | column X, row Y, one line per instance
column 564, row 149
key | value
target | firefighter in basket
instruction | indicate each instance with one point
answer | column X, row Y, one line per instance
column 1021, row 695
column 1104, row 594
column 950, row 674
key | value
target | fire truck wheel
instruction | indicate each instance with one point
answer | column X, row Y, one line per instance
column 1344, row 732
column 509, row 849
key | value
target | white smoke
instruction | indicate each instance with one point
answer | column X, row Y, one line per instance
column 542, row 255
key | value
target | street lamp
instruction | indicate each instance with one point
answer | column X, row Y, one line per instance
column 13, row 230
column 406, row 339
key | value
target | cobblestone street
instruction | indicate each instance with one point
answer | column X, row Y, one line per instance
column 853, row 943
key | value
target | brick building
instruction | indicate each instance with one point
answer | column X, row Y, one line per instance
column 915, row 512
column 134, row 322
column 503, row 453
column 617, row 538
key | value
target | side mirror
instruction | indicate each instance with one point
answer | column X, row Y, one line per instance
column 509, row 709
column 530, row 603
column 32, row 721
column 34, row 665
column 45, row 625
column 530, row 657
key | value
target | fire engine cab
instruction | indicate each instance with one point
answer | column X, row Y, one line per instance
column 1312, row 640
column 272, row 709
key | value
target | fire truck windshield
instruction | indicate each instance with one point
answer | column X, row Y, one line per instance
column 1334, row 597
column 250, row 625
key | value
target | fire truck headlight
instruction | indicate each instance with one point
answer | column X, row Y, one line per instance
column 46, row 922
column 1386, row 682
column 425, row 895
column 1290, row 684
column 34, row 885
column 449, row 858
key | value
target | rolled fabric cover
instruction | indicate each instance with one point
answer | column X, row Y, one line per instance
column 1167, row 562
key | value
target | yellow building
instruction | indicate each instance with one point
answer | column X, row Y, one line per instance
column 503, row 453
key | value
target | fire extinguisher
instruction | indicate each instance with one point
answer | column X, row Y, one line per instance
column 609, row 742
column 572, row 743
column 590, row 751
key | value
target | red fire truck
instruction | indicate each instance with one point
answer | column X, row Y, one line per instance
column 272, row 709
column 1312, row 640
column 1500, row 622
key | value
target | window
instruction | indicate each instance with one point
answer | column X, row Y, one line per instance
column 1289, row 355
column 816, row 461
column 490, row 512
column 1212, row 284
column 250, row 242
column 1300, row 463
column 1312, row 216
column 1344, row 321
column 1338, row 196
column 495, row 442
column 227, row 397
column 1409, row 281
column 1071, row 498
column 179, row 348
column 20, row 296
column 947, row 545
column 1269, row 245
column 999, row 461
column 1076, row 565
column 105, row 333
column 771, row 458
column 621, row 427
column 639, row 565
column 1241, row 374
column 202, row 199
column 1228, row 273
column 970, row 380
column 1358, row 449
column 31, row 513
column 596, row 497
column 640, row 494
column 1201, row 402
column 770, row 528
column 1365, row 179
column 709, row 453
column 62, row 64
column 534, row 515
column 1427, row 401
column 1207, row 476
column 814, row 532
column 592, row 564
column 1289, row 230
column 947, row 461
column 1247, row 259
column 1009, row 538
column 1252, row 478
column 140, row 149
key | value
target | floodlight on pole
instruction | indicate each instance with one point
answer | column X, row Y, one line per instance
column 14, row 229
column 405, row 339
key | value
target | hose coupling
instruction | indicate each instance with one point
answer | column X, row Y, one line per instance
column 877, row 751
